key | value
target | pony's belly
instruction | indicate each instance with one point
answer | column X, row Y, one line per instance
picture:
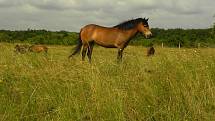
column 105, row 44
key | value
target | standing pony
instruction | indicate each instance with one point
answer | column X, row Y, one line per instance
column 110, row 37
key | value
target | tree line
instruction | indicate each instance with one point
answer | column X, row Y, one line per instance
column 39, row 37
column 184, row 37
column 168, row 37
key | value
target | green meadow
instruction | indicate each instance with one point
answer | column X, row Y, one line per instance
column 173, row 85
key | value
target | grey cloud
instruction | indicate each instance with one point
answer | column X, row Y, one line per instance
column 49, row 4
column 10, row 3
column 72, row 14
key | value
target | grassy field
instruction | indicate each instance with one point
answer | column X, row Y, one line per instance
column 174, row 85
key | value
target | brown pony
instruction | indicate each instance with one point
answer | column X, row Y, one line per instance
column 38, row 48
column 110, row 37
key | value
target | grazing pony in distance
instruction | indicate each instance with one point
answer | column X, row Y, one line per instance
column 21, row 48
column 110, row 37
column 38, row 48
column 150, row 51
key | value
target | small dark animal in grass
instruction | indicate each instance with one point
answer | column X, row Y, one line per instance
column 38, row 48
column 150, row 51
column 21, row 48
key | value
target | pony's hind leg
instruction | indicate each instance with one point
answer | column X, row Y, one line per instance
column 90, row 50
column 84, row 50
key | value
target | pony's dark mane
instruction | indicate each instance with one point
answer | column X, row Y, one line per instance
column 130, row 24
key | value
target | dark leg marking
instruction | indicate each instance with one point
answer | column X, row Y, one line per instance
column 84, row 52
column 90, row 50
column 119, row 57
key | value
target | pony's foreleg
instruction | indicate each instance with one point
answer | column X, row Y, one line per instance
column 119, row 57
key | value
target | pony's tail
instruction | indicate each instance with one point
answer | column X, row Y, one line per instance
column 77, row 49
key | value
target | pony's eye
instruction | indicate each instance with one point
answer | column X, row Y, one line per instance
column 145, row 26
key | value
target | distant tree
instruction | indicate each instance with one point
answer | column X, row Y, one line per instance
column 4, row 37
column 213, row 29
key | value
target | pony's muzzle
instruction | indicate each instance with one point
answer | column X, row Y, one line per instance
column 148, row 35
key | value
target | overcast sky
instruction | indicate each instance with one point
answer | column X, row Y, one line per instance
column 71, row 15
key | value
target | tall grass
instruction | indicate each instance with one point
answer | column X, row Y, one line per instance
column 173, row 85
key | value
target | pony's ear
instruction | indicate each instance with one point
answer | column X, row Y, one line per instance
column 147, row 19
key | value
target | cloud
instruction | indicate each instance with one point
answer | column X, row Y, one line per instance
column 52, row 4
column 73, row 14
column 10, row 3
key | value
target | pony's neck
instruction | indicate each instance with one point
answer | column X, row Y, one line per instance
column 132, row 32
